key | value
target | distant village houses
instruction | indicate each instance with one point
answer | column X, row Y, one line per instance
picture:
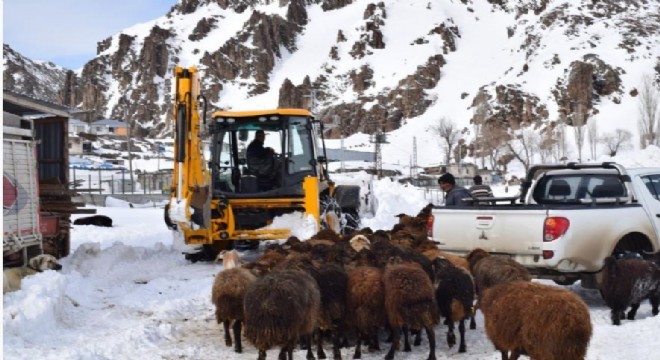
column 109, row 127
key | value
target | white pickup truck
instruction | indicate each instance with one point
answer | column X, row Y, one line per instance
column 566, row 220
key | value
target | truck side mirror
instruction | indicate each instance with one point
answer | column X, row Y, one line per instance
column 321, row 159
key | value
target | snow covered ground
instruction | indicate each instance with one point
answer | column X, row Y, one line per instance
column 126, row 293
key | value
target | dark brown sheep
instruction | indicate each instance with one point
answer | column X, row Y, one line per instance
column 280, row 308
column 492, row 270
column 326, row 234
column 227, row 295
column 626, row 282
column 365, row 304
column 455, row 297
column 409, row 301
column 541, row 321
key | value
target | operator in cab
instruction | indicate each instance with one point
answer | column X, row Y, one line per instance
column 261, row 161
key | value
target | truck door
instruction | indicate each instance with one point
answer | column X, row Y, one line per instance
column 652, row 199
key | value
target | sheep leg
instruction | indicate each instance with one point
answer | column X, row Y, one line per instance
column 336, row 344
column 473, row 319
column 515, row 354
column 375, row 345
column 358, row 347
column 406, row 339
column 451, row 336
column 461, row 329
column 655, row 304
column 319, row 345
column 262, row 355
column 308, row 342
column 237, row 336
column 225, row 324
column 418, row 337
column 505, row 354
column 431, row 335
column 396, row 337
column 616, row 317
column 633, row 311
column 282, row 355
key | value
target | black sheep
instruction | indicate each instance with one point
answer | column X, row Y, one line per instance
column 626, row 282
column 455, row 297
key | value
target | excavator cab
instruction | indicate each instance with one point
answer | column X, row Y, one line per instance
column 257, row 165
column 265, row 153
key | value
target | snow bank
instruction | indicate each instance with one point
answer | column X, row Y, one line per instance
column 37, row 308
column 390, row 199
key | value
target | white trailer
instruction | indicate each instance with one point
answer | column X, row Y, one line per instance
column 21, row 220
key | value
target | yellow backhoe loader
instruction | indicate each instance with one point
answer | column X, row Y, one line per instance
column 236, row 173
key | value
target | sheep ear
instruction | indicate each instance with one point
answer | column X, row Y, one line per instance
column 220, row 256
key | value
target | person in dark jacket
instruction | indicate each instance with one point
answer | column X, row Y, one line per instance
column 454, row 195
column 261, row 162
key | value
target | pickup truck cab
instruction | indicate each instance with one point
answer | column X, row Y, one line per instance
column 566, row 220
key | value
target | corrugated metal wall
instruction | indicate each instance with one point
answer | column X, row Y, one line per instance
column 52, row 151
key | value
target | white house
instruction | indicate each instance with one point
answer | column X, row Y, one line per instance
column 76, row 126
column 109, row 127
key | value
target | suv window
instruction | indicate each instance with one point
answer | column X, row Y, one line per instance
column 569, row 189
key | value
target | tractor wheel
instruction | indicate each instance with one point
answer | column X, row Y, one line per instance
column 168, row 220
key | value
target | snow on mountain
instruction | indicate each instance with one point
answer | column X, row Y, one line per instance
column 397, row 64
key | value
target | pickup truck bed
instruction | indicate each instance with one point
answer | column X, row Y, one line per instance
column 560, row 228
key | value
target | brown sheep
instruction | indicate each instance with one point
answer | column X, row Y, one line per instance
column 409, row 301
column 626, row 282
column 227, row 295
column 492, row 270
column 326, row 234
column 280, row 308
column 541, row 321
column 365, row 305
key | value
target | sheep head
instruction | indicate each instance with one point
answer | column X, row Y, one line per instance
column 360, row 242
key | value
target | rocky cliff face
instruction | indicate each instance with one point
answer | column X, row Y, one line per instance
column 130, row 78
column 41, row 80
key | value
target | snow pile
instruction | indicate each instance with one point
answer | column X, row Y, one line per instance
column 390, row 199
column 36, row 308
column 303, row 227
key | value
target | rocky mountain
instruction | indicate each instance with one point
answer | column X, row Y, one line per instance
column 39, row 79
column 376, row 65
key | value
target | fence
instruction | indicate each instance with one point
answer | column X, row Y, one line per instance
column 118, row 181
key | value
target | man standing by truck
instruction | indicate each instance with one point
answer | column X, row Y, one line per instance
column 454, row 195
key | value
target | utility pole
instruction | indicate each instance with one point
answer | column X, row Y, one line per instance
column 413, row 166
column 313, row 101
column 379, row 138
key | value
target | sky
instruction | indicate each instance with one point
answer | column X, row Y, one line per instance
column 66, row 31
column 126, row 292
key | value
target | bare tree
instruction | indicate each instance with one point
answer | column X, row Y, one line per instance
column 447, row 131
column 621, row 139
column 524, row 145
column 649, row 124
column 592, row 130
column 546, row 146
column 479, row 119
column 560, row 145
column 578, row 121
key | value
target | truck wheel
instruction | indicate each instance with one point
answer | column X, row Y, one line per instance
column 348, row 199
column 350, row 221
column 636, row 243
column 166, row 217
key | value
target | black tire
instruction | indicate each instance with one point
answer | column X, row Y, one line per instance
column 166, row 216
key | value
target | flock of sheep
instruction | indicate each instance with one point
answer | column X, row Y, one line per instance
column 349, row 288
